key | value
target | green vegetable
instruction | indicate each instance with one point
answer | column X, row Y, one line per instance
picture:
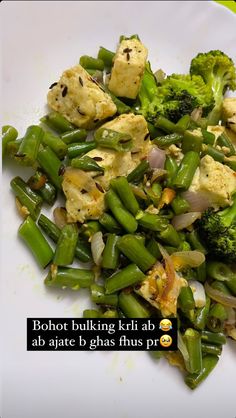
column 69, row 277
column 29, row 147
column 27, row 197
column 128, row 276
column 9, row 134
column 66, row 245
column 136, row 252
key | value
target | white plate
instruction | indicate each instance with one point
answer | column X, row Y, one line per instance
column 40, row 40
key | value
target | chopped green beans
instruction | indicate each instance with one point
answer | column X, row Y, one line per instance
column 35, row 241
column 67, row 277
column 170, row 236
column 136, row 252
column 218, row 271
column 128, row 276
column 225, row 141
column 90, row 62
column 151, row 221
column 185, row 299
column 221, row 287
column 125, row 193
column 9, row 134
column 208, row 364
column 98, row 296
column 179, row 205
column 211, row 349
column 77, row 135
column 109, row 223
column 91, row 313
column 182, row 124
column 194, row 240
column 202, row 315
column 51, row 164
column 153, row 248
column 171, row 167
column 55, row 143
column 167, row 140
column 106, row 56
column 80, row 148
column 28, row 150
column 86, row 163
column 121, row 214
column 121, row 107
column 165, row 124
column 57, row 122
column 66, row 245
column 218, row 311
column 132, row 307
column 137, row 174
column 186, row 170
column 27, row 197
column 213, row 152
column 208, row 137
column 45, row 189
column 213, row 338
column 191, row 142
column 12, row 148
column 110, row 256
column 192, row 339
column 118, row 141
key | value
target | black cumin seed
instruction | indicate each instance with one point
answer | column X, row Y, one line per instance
column 53, row 85
column 20, row 155
column 83, row 191
column 81, row 113
column 96, row 120
column 97, row 158
column 99, row 187
column 128, row 56
column 61, row 170
column 64, row 91
column 146, row 136
column 123, row 141
column 127, row 50
column 81, row 81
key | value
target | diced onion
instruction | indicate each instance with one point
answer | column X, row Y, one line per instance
column 199, row 294
column 182, row 259
column 182, row 348
column 220, row 297
column 198, row 202
column 156, row 158
column 183, row 221
column 97, row 247
column 59, row 215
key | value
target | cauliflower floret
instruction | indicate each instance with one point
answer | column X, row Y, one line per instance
column 79, row 99
column 128, row 68
column 229, row 112
column 215, row 180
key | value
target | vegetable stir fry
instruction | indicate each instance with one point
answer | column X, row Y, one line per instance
column 146, row 165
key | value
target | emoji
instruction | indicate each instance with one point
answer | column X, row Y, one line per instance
column 165, row 325
column 165, row 340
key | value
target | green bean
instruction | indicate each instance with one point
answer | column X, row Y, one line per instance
column 171, row 167
column 35, row 241
column 80, row 148
column 136, row 252
column 121, row 107
column 125, row 193
column 202, row 315
column 128, row 276
column 27, row 197
column 77, row 135
column 170, row 236
column 211, row 349
column 45, row 189
column 224, row 141
column 183, row 124
column 98, row 296
column 231, row 284
column 57, row 122
column 191, row 142
column 29, row 146
column 227, row 161
column 12, row 147
column 109, row 223
column 111, row 253
column 89, row 228
column 179, row 205
column 194, row 240
column 152, row 221
column 137, row 174
column 153, row 248
column 192, row 339
column 125, row 218
column 110, row 313
column 208, row 364
column 68, row 277
column 213, row 152
column 90, row 62
column 186, row 170
column 51, row 164
column 65, row 249
column 91, row 313
column 86, row 163
column 106, row 56
column 154, row 132
column 9, row 134
column 118, row 141
column 221, row 287
column 218, row 270
column 167, row 140
column 185, row 299
column 165, row 124
column 55, row 143
column 208, row 137
column 201, row 272
column 213, row 338
column 218, row 311
column 132, row 307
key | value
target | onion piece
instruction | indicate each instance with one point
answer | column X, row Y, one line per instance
column 198, row 202
column 182, row 259
column 157, row 174
column 182, row 348
column 231, row 313
column 199, row 294
column 156, row 158
column 59, row 215
column 196, row 114
column 220, row 297
column 97, row 247
column 169, row 269
column 183, row 221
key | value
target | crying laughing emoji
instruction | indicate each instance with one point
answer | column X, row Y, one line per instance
column 165, row 325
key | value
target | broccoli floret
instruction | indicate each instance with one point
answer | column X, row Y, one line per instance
column 177, row 96
column 219, row 73
column 218, row 229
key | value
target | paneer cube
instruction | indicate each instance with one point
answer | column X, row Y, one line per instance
column 229, row 112
column 128, row 68
column 79, row 99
